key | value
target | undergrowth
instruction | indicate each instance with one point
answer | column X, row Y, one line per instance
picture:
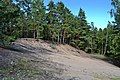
column 18, row 71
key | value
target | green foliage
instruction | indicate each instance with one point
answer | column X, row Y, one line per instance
column 114, row 38
column 8, row 28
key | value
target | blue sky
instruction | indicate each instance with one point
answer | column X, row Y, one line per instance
column 96, row 10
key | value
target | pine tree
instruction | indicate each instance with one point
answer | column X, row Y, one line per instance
column 8, row 15
column 37, row 17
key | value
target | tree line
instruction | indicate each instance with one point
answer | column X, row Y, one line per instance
column 56, row 23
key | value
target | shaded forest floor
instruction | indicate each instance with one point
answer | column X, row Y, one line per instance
column 33, row 59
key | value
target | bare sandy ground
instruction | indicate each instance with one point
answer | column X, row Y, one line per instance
column 84, row 67
column 76, row 64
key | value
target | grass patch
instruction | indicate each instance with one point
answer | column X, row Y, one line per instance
column 100, row 77
column 98, row 56
column 19, row 70
column 116, row 78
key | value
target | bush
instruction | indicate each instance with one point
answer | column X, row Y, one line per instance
column 116, row 60
column 53, row 46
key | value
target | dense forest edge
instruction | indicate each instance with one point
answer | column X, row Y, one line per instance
column 56, row 23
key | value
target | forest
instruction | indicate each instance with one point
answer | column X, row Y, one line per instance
column 56, row 23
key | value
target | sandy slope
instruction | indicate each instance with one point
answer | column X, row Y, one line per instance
column 84, row 67
column 76, row 64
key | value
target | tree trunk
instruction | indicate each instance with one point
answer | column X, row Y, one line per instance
column 58, row 38
column 34, row 34
column 106, row 43
column 63, row 40
column 102, row 48
column 37, row 33
column 60, row 41
column 92, row 46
